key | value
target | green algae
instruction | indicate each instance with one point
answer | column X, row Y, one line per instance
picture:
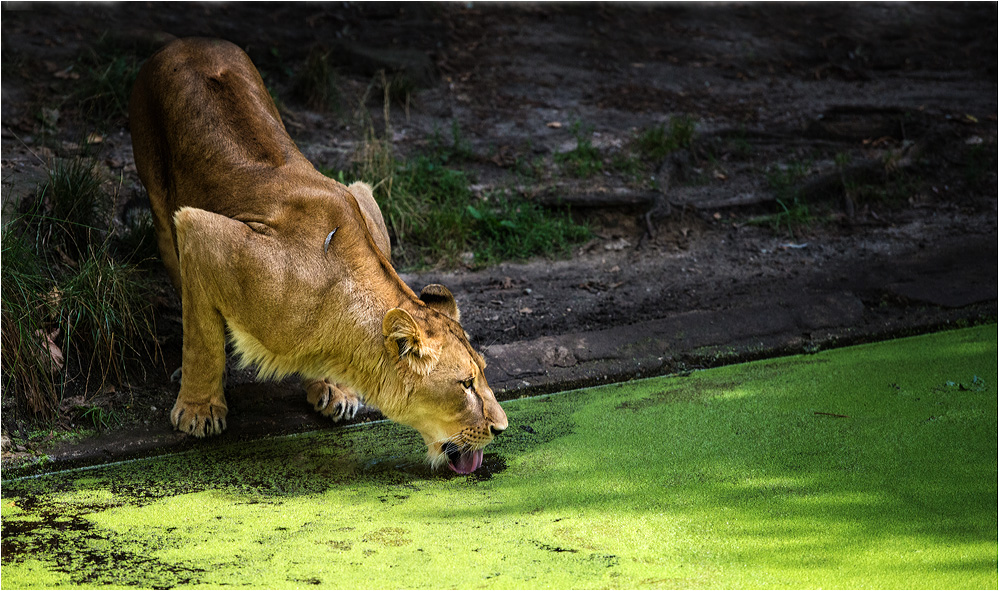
column 873, row 466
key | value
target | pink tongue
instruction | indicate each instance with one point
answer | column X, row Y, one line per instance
column 468, row 462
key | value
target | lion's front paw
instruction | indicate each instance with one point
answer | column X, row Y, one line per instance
column 332, row 400
column 198, row 419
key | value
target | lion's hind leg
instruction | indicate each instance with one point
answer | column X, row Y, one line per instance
column 333, row 400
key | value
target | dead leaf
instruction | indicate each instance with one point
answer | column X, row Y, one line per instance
column 554, row 124
column 875, row 142
column 526, row 311
column 54, row 297
column 45, row 153
column 95, row 138
column 74, row 402
column 49, row 353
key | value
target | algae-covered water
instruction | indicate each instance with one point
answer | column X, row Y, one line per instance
column 872, row 466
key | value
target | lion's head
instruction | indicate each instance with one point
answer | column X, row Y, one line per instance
column 446, row 396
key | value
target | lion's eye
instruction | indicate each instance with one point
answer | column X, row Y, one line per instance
column 467, row 384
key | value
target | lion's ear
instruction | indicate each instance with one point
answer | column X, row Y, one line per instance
column 437, row 297
column 405, row 339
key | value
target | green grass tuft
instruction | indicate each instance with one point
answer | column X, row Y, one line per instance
column 318, row 84
column 103, row 309
column 458, row 149
column 107, row 74
column 74, row 210
column 135, row 240
column 29, row 370
column 584, row 160
column 655, row 143
column 102, row 419
column 793, row 212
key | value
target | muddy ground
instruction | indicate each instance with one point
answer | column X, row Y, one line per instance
column 884, row 113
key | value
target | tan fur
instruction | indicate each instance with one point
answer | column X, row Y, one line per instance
column 241, row 220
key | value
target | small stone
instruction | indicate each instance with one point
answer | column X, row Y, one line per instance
column 619, row 244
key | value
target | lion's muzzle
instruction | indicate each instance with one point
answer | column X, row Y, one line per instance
column 464, row 454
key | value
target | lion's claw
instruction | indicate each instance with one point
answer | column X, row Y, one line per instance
column 199, row 420
column 332, row 400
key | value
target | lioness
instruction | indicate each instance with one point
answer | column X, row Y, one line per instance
column 294, row 264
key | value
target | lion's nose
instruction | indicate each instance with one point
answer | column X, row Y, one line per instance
column 496, row 418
